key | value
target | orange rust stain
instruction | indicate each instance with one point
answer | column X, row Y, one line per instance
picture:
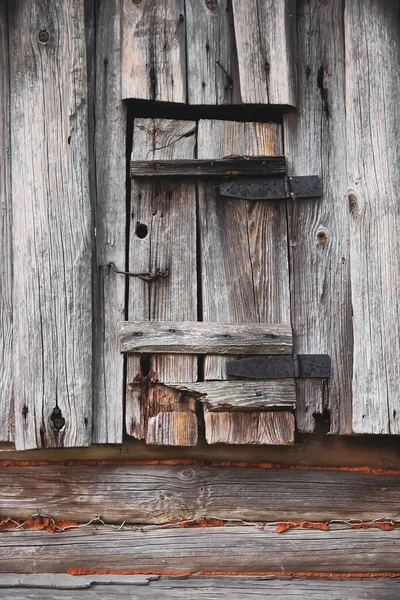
column 376, row 525
column 323, row 575
column 281, row 527
column 37, row 522
column 188, row 462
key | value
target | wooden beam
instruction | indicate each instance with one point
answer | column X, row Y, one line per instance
column 160, row 493
column 52, row 312
column 6, row 302
column 205, row 338
column 272, row 428
column 237, row 549
column 223, row 167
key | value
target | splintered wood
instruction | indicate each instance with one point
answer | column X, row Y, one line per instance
column 209, row 52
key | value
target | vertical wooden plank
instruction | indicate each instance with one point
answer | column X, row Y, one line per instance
column 162, row 236
column 108, row 187
column 265, row 41
column 244, row 254
column 319, row 231
column 51, row 225
column 154, row 50
column 211, row 64
column 6, row 317
column 372, row 34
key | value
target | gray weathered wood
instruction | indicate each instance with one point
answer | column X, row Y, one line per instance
column 244, row 260
column 153, row 50
column 210, row 53
column 132, row 493
column 52, row 310
column 205, row 338
column 61, row 581
column 243, row 395
column 265, row 40
column 272, row 428
column 373, row 130
column 6, row 363
column 109, row 200
column 319, row 231
column 206, row 587
column 224, row 167
column 163, row 230
column 232, row 549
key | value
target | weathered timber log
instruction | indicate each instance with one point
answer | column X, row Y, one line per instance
column 205, row 338
column 223, row 167
column 232, row 549
column 159, row 493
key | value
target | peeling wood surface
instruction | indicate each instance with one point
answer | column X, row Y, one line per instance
column 52, row 310
column 108, row 187
column 244, row 260
column 6, row 301
column 205, row 338
column 265, row 39
column 195, row 587
column 237, row 549
column 272, row 428
column 205, row 54
column 315, row 143
column 373, row 132
column 153, row 53
column 163, row 230
column 243, row 395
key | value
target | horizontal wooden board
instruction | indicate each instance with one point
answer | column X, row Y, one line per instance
column 243, row 395
column 272, row 428
column 203, row 338
column 223, row 167
column 197, row 587
column 237, row 549
column 159, row 493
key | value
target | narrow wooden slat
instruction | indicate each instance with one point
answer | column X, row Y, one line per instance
column 243, row 395
column 265, row 40
column 202, row 587
column 108, row 186
column 319, row 232
column 6, row 362
column 272, row 428
column 132, row 493
column 203, row 338
column 153, row 54
column 211, row 57
column 52, row 311
column 237, row 549
column 163, row 231
column 373, row 130
column 224, row 167
column 244, row 261
column 173, row 429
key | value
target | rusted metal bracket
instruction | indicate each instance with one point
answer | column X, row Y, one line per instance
column 273, row 366
column 144, row 276
column 272, row 188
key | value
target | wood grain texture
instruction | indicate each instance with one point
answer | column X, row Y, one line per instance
column 133, row 493
column 266, row 42
column 373, row 131
column 163, row 230
column 108, row 187
column 238, row 549
column 51, row 225
column 202, row 587
column 244, row 259
column 224, row 167
column 211, row 56
column 255, row 428
column 243, row 395
column 153, row 56
column 319, row 231
column 6, row 308
column 203, row 338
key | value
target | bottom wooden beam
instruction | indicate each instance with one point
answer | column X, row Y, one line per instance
column 223, row 550
column 109, row 587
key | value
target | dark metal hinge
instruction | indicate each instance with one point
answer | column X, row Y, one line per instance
column 276, row 366
column 272, row 188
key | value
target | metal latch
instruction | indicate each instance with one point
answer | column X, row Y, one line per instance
column 275, row 366
column 272, row 188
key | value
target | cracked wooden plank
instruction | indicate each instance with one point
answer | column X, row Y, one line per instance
column 51, row 225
